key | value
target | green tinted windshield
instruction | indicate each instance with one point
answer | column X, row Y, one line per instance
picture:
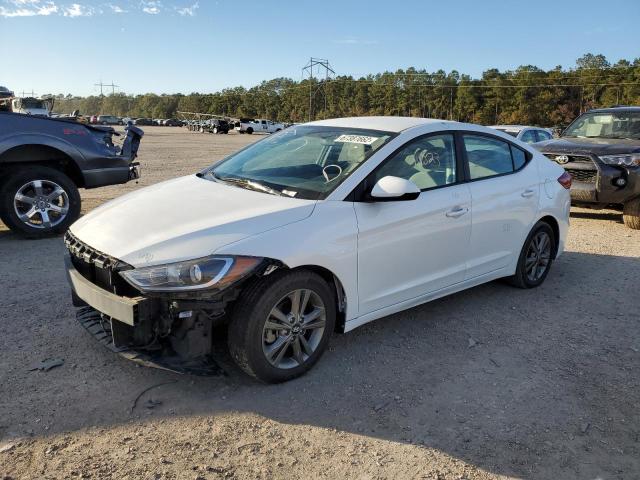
column 605, row 125
column 301, row 162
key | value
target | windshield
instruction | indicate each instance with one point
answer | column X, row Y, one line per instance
column 302, row 162
column 605, row 125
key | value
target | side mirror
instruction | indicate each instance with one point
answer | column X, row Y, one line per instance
column 390, row 188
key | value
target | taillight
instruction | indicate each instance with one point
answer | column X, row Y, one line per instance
column 565, row 180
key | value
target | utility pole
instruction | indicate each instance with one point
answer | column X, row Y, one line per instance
column 24, row 93
column 112, row 85
column 322, row 66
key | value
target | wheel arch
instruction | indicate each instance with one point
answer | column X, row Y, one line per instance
column 44, row 155
column 334, row 282
column 555, row 226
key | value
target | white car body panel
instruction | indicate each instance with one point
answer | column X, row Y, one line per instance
column 387, row 256
column 184, row 218
column 328, row 238
column 409, row 248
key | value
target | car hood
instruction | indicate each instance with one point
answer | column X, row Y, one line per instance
column 596, row 146
column 184, row 218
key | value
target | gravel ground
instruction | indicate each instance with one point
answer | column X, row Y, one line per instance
column 494, row 382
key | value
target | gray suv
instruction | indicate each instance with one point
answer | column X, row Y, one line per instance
column 601, row 151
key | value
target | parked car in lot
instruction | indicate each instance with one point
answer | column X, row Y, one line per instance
column 108, row 120
column 218, row 126
column 525, row 133
column 258, row 126
column 601, row 151
column 143, row 122
column 323, row 227
column 172, row 122
column 43, row 162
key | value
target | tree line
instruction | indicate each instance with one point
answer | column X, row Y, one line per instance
column 527, row 95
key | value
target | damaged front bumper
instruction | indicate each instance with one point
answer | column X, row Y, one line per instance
column 137, row 328
column 173, row 331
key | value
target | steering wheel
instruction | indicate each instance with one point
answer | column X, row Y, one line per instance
column 326, row 175
column 426, row 158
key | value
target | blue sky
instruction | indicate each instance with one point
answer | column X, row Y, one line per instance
column 167, row 46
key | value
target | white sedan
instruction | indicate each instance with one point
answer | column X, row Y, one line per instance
column 319, row 228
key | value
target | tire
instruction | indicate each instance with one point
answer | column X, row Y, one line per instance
column 249, row 130
column 249, row 339
column 631, row 214
column 524, row 279
column 23, row 182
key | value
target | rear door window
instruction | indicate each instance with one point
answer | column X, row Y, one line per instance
column 487, row 156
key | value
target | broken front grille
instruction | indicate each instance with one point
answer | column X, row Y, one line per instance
column 586, row 176
column 97, row 267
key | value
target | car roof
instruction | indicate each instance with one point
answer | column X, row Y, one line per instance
column 387, row 124
column 516, row 127
column 621, row 108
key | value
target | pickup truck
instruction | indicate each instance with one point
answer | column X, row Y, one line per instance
column 259, row 126
column 43, row 163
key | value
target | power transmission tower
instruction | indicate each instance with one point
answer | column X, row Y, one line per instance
column 31, row 92
column 112, row 85
column 322, row 67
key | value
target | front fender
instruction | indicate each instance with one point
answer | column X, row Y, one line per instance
column 328, row 239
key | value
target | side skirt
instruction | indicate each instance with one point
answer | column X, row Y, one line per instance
column 413, row 302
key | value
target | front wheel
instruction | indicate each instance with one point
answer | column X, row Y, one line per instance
column 249, row 130
column 39, row 201
column 631, row 214
column 535, row 258
column 281, row 325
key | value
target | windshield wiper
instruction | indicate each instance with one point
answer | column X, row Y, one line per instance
column 249, row 184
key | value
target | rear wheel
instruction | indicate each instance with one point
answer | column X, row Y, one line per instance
column 631, row 214
column 281, row 325
column 535, row 258
column 39, row 201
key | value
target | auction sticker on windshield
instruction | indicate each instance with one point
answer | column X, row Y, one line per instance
column 363, row 139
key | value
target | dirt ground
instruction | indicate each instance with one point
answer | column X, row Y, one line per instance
column 494, row 382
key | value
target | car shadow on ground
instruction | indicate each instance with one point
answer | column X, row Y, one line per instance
column 501, row 378
column 598, row 215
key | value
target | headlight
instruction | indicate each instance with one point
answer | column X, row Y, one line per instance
column 210, row 272
column 630, row 160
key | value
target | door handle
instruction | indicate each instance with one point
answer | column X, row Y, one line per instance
column 528, row 193
column 456, row 212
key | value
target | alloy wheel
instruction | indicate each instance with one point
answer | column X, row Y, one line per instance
column 41, row 204
column 538, row 256
column 293, row 329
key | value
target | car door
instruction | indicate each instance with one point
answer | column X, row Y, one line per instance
column 504, row 189
column 410, row 248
